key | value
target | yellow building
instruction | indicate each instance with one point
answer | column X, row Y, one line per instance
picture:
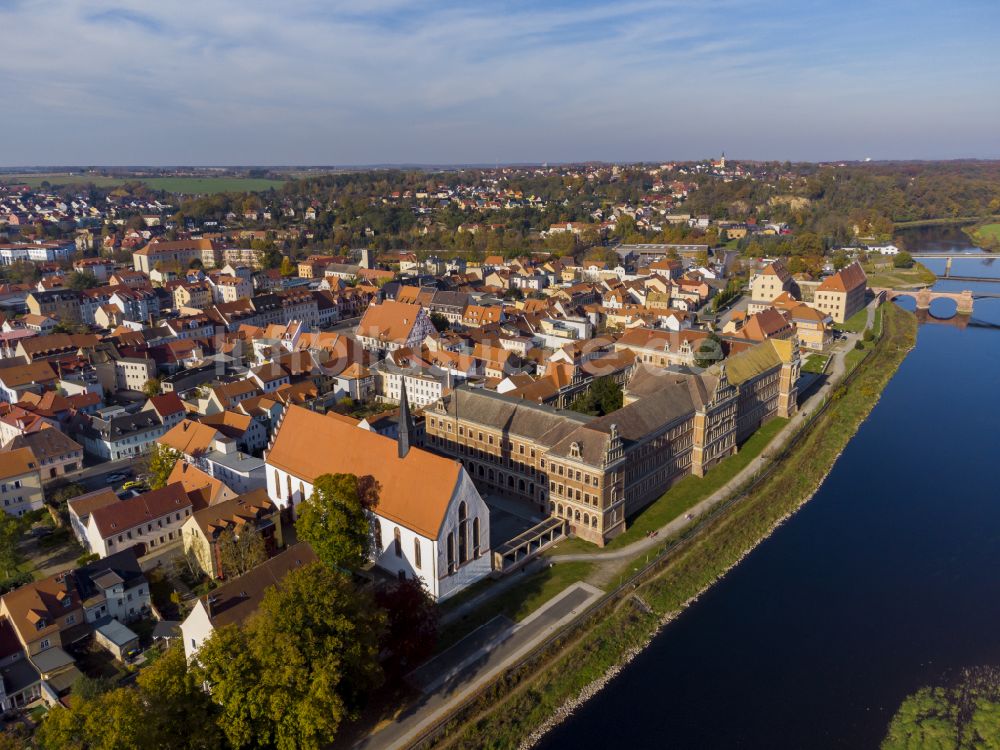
column 843, row 294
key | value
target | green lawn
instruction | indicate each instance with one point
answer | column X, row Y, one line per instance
column 987, row 235
column 896, row 278
column 856, row 323
column 815, row 363
column 518, row 601
column 186, row 185
column 684, row 495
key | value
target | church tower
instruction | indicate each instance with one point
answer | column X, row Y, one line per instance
column 405, row 421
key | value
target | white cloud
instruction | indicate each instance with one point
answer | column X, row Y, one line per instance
column 322, row 82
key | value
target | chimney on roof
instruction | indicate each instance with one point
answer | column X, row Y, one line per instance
column 405, row 423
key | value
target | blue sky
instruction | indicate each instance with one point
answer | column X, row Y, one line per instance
column 387, row 81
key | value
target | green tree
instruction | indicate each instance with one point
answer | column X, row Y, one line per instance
column 81, row 280
column 238, row 553
column 709, row 351
column 335, row 519
column 153, row 387
column 67, row 492
column 902, row 259
column 602, row 396
column 182, row 714
column 166, row 709
column 116, row 719
column 287, row 267
column 440, row 321
column 86, row 688
column 11, row 530
column 300, row 666
column 160, row 463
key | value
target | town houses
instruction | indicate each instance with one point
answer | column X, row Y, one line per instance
column 177, row 390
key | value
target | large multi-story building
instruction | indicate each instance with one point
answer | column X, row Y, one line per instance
column 772, row 280
column 843, row 294
column 176, row 255
column 596, row 472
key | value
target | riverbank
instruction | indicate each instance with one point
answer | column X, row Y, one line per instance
column 539, row 692
column 940, row 222
column 900, row 278
column 986, row 235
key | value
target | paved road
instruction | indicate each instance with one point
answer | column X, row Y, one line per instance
column 465, row 667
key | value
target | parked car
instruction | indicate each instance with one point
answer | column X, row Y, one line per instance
column 116, row 477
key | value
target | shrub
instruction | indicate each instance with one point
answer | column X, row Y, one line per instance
column 88, row 558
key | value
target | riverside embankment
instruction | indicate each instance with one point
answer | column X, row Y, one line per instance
column 586, row 656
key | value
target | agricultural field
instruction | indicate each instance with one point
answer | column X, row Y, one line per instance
column 181, row 185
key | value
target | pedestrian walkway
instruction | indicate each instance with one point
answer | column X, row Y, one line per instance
column 470, row 664
column 473, row 662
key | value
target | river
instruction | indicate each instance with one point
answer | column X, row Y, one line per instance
column 886, row 581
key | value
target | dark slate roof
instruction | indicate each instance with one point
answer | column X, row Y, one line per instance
column 124, row 565
column 536, row 422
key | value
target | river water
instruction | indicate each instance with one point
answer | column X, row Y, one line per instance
column 886, row 581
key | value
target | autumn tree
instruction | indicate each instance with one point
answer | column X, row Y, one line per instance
column 335, row 520
column 300, row 666
column 166, row 709
column 160, row 464
column 411, row 626
column 153, row 387
column 238, row 553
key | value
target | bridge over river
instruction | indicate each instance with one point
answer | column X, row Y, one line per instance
column 964, row 302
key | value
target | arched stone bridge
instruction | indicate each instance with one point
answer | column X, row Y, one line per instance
column 923, row 297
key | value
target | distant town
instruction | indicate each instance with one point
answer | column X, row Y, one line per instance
column 426, row 385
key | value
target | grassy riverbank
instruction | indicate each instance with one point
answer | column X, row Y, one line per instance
column 939, row 222
column 986, row 236
column 528, row 696
column 900, row 278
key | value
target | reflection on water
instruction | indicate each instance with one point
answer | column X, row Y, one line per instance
column 885, row 582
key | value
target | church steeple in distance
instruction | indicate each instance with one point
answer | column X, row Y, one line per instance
column 405, row 421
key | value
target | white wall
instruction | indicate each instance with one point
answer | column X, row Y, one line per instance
column 433, row 569
column 196, row 629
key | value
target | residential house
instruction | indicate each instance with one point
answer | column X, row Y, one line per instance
column 113, row 587
column 149, row 521
column 121, row 436
column 55, row 452
column 20, row 482
column 843, row 294
column 248, row 513
column 235, row 601
column 387, row 326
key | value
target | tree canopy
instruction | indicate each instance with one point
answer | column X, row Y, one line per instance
column 300, row 666
column 336, row 519
column 965, row 716
column 160, row 464
column 166, row 709
column 602, row 396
